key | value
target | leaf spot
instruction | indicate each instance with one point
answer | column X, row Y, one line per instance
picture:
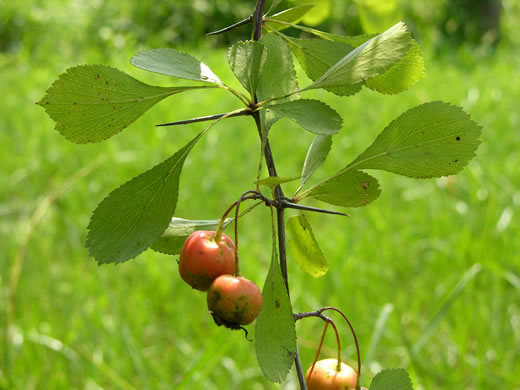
column 457, row 138
column 277, row 303
column 365, row 185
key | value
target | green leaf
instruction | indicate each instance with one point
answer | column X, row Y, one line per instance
column 316, row 155
column 179, row 229
column 392, row 379
column 368, row 60
column 317, row 56
column 291, row 15
column 133, row 217
column 354, row 41
column 406, row 73
column 247, row 59
column 304, row 247
column 275, row 332
column 278, row 77
column 91, row 103
column 273, row 181
column 431, row 140
column 347, row 188
column 313, row 115
column 171, row 62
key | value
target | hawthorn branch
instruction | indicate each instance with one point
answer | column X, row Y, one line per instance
column 205, row 118
column 258, row 16
column 233, row 26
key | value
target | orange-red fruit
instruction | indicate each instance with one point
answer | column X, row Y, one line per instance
column 202, row 259
column 325, row 377
column 234, row 301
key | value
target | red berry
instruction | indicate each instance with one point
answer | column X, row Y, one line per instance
column 326, row 377
column 202, row 259
column 234, row 301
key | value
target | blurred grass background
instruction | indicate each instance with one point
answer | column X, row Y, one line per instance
column 429, row 274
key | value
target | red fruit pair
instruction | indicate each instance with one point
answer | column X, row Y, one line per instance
column 207, row 263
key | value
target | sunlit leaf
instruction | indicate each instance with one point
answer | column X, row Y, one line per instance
column 431, row 140
column 403, row 75
column 347, row 188
column 378, row 15
column 91, row 103
column 319, row 13
column 304, row 248
column 133, row 217
column 316, row 155
column 247, row 59
column 275, row 332
column 291, row 15
column 179, row 229
column 391, row 379
column 317, row 56
column 171, row 62
column 278, row 77
column 313, row 115
column 368, row 60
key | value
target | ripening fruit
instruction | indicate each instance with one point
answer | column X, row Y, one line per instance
column 325, row 377
column 234, row 301
column 202, row 259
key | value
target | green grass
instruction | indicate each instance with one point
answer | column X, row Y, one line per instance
column 428, row 274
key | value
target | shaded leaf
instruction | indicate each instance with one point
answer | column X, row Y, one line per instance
column 171, row 62
column 275, row 332
column 392, row 379
column 273, row 181
column 304, row 248
column 133, row 217
column 291, row 15
column 431, row 140
column 347, row 188
column 91, row 103
column 403, row 75
column 278, row 77
column 368, row 60
column 317, row 56
column 247, row 59
column 179, row 229
column 316, row 155
column 313, row 115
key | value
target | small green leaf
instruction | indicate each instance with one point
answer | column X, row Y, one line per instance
column 91, row 103
column 275, row 332
column 273, row 181
column 347, row 189
column 304, row 247
column 179, row 229
column 171, row 62
column 406, row 73
column 313, row 115
column 392, row 379
column 317, row 56
column 133, row 217
column 291, row 15
column 368, row 60
column 278, row 77
column 316, row 155
column 247, row 59
column 431, row 140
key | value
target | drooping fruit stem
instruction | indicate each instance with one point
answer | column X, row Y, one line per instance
column 355, row 340
column 319, row 350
